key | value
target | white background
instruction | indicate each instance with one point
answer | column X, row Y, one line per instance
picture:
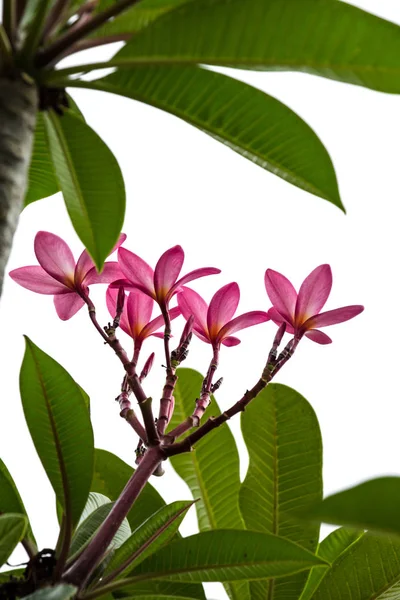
column 185, row 188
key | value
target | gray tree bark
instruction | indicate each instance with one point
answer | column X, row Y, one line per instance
column 18, row 108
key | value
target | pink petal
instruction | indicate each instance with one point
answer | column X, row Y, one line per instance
column 111, row 301
column 110, row 273
column 231, row 341
column 247, row 320
column 159, row 322
column 37, row 280
column 85, row 263
column 67, row 305
column 167, row 271
column 139, row 308
column 277, row 318
column 196, row 274
column 201, row 337
column 222, row 307
column 55, row 256
column 313, row 293
column 331, row 317
column 191, row 303
column 137, row 271
column 318, row 336
column 281, row 293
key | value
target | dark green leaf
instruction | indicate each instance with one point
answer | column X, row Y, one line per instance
column 369, row 570
column 159, row 589
column 215, row 483
column 10, row 500
column 60, row 427
column 245, row 119
column 91, row 182
column 62, row 591
column 283, row 438
column 12, row 530
column 321, row 37
column 6, row 576
column 109, row 478
column 225, row 555
column 329, row 549
column 157, row 531
column 371, row 505
column 42, row 181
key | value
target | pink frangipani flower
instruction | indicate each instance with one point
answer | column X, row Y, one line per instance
column 214, row 323
column 301, row 312
column 162, row 283
column 136, row 315
column 59, row 275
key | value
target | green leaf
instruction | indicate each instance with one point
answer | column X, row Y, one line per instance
column 60, row 427
column 10, row 500
column 157, row 531
column 321, row 37
column 372, row 505
column 42, row 181
column 62, row 591
column 369, row 569
column 225, row 555
column 6, row 576
column 93, row 502
column 90, row 180
column 245, row 119
column 283, row 439
column 160, row 589
column 110, row 477
column 329, row 549
column 12, row 530
column 134, row 19
column 214, row 483
column 90, row 525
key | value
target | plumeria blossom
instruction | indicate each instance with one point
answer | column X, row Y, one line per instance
column 214, row 323
column 162, row 283
column 136, row 315
column 301, row 312
column 60, row 276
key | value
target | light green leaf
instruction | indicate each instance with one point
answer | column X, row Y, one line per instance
column 12, row 530
column 322, row 37
column 93, row 502
column 283, row 438
column 110, row 477
column 329, row 549
column 369, row 569
column 215, row 483
column 91, row 182
column 225, row 555
column 372, row 505
column 10, row 500
column 160, row 589
column 60, row 427
column 245, row 119
column 157, row 531
column 42, row 181
column 62, row 591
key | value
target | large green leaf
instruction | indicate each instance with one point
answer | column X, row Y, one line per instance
column 225, row 555
column 160, row 589
column 372, row 505
column 245, row 119
column 110, row 477
column 90, row 180
column 329, row 549
column 60, row 427
column 212, row 470
column 157, row 531
column 12, row 530
column 368, row 570
column 62, row 591
column 322, row 37
column 42, row 181
column 10, row 500
column 283, row 438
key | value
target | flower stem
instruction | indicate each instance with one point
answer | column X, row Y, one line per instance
column 88, row 560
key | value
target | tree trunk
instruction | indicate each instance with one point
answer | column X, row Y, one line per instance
column 18, row 108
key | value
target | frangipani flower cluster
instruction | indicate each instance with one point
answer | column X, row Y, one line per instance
column 68, row 281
